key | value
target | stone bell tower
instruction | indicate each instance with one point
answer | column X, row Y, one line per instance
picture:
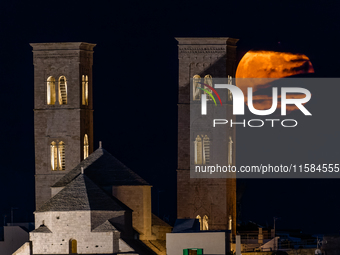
column 212, row 200
column 63, row 111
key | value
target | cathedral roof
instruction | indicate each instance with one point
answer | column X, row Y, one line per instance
column 105, row 170
column 82, row 194
column 105, row 227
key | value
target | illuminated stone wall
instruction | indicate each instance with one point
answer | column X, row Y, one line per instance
column 68, row 123
column 65, row 226
column 138, row 198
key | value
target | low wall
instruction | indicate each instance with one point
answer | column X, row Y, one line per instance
column 290, row 252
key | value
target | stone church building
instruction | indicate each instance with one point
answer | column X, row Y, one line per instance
column 88, row 202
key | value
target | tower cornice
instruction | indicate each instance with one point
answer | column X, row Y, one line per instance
column 62, row 46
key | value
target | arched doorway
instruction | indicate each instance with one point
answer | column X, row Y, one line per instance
column 73, row 246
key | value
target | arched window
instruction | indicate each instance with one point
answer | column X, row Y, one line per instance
column 85, row 90
column 206, row 150
column 230, row 95
column 200, row 220
column 202, row 150
column 198, row 150
column 54, row 156
column 205, row 223
column 230, row 151
column 62, row 88
column 86, row 146
column 61, row 156
column 208, row 81
column 51, row 90
column 73, row 246
column 57, row 155
column 196, row 85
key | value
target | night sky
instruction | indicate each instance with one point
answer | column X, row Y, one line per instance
column 136, row 59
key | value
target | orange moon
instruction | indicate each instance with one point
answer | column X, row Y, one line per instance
column 272, row 64
column 265, row 67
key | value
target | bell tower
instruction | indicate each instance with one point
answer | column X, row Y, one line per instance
column 63, row 111
column 211, row 200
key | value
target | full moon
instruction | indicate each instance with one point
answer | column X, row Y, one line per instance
column 266, row 66
column 271, row 64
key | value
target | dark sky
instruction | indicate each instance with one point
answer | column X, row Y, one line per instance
column 136, row 58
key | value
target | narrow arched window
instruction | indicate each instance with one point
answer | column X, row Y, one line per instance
column 196, row 85
column 202, row 150
column 54, row 161
column 198, row 150
column 200, row 220
column 62, row 88
column 206, row 150
column 73, row 246
column 86, row 146
column 230, row 151
column 230, row 95
column 61, row 156
column 230, row 223
column 208, row 81
column 85, row 90
column 205, row 223
column 51, row 98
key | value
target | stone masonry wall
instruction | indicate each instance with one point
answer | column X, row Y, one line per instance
column 215, row 198
column 66, row 226
column 138, row 198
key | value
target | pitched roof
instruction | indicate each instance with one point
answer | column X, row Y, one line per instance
column 82, row 194
column 104, row 169
column 105, row 227
column 42, row 229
